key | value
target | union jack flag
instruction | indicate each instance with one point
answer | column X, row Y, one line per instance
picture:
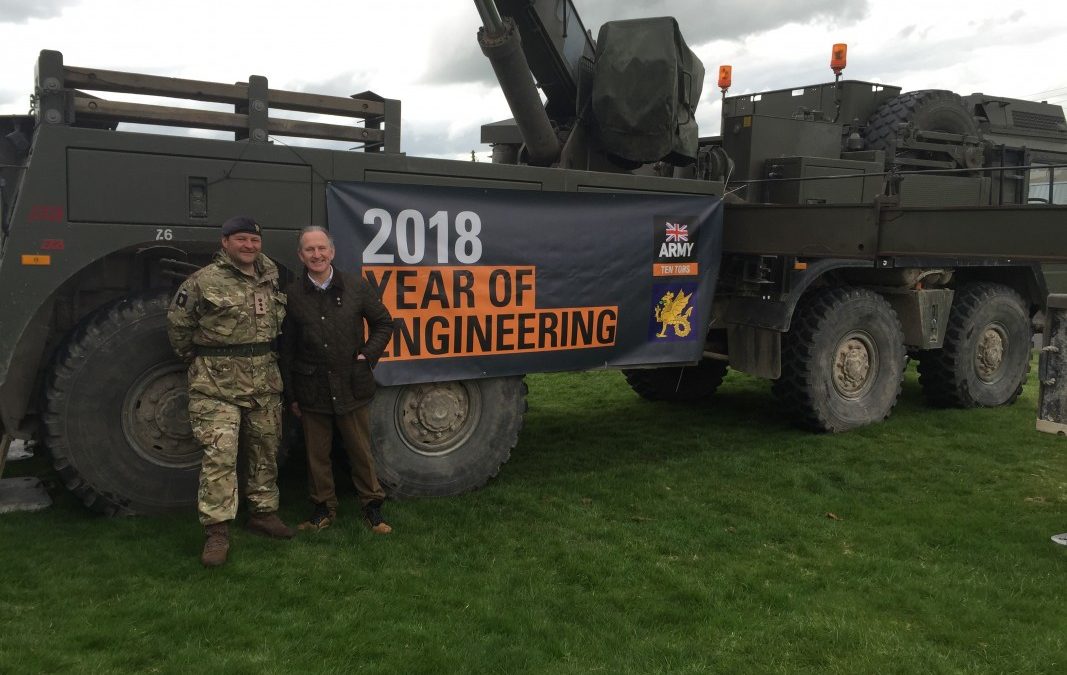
column 677, row 232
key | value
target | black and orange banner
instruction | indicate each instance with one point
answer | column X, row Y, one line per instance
column 484, row 283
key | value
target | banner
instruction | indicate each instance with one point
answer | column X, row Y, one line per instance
column 484, row 283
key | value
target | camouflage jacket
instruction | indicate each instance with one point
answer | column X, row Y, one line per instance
column 217, row 307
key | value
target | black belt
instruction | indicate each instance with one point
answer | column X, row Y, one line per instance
column 250, row 349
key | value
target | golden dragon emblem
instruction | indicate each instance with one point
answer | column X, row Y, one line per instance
column 671, row 312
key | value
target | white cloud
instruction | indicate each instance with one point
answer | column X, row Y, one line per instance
column 423, row 51
column 21, row 11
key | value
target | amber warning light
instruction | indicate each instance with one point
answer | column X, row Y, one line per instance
column 838, row 58
column 725, row 77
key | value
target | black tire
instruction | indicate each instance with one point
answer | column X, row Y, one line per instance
column 682, row 383
column 985, row 358
column 117, row 413
column 444, row 438
column 842, row 360
column 928, row 110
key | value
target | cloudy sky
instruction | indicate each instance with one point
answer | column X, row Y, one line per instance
column 424, row 51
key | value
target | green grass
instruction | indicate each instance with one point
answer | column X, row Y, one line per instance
column 623, row 536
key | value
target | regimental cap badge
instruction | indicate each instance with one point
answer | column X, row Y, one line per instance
column 239, row 224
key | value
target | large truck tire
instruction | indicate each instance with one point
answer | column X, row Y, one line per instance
column 842, row 360
column 444, row 438
column 117, row 412
column 928, row 110
column 679, row 383
column 985, row 357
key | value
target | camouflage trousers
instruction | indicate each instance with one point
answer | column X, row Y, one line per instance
column 221, row 428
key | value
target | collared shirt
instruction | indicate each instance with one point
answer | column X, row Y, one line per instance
column 324, row 285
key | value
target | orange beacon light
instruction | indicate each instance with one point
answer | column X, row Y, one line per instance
column 725, row 77
column 838, row 58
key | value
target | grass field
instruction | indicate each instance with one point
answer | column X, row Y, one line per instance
column 623, row 536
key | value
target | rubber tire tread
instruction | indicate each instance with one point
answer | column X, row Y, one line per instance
column 76, row 353
column 405, row 473
column 881, row 128
column 804, row 375
column 942, row 372
column 677, row 383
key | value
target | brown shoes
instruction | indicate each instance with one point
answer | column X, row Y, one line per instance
column 216, row 546
column 320, row 519
column 323, row 517
column 269, row 525
column 372, row 516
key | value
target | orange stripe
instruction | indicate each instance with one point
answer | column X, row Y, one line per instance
column 475, row 289
column 29, row 259
column 683, row 269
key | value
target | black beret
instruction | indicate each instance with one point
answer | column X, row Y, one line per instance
column 240, row 224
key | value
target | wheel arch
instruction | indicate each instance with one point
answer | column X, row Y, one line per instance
column 755, row 326
column 37, row 334
column 1028, row 281
column 94, row 284
column 778, row 316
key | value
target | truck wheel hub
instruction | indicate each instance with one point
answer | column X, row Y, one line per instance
column 853, row 364
column 155, row 417
column 436, row 418
column 989, row 355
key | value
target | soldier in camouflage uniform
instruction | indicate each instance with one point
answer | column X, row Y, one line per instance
column 224, row 320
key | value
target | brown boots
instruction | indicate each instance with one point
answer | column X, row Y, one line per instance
column 372, row 516
column 216, row 546
column 321, row 518
column 269, row 525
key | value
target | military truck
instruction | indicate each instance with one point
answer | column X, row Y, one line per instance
column 861, row 225
column 798, row 299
